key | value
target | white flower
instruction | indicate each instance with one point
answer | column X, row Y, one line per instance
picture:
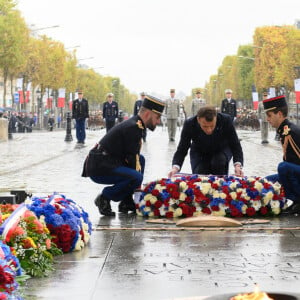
column 233, row 195
column 244, row 208
column 162, row 210
column 258, row 185
column 268, row 196
column 183, row 185
column 223, row 195
column 159, row 187
column 205, row 188
column 219, row 213
column 147, row 209
column 172, row 201
column 178, row 212
column 79, row 245
column 233, row 185
column 151, row 214
column 256, row 205
column 251, row 179
column 216, row 194
column 276, row 210
column 274, row 204
column 182, row 196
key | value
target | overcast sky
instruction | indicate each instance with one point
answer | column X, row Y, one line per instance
column 155, row 45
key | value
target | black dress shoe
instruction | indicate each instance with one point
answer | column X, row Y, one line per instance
column 293, row 209
column 104, row 207
column 127, row 205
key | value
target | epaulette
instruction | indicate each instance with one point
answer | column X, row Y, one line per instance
column 140, row 124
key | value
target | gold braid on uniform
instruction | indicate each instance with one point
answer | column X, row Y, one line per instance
column 138, row 166
column 289, row 139
column 137, row 157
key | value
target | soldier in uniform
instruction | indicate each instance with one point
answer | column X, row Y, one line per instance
column 172, row 112
column 136, row 108
column 110, row 111
column 138, row 104
column 80, row 112
column 264, row 125
column 228, row 105
column 288, row 170
column 197, row 103
column 121, row 146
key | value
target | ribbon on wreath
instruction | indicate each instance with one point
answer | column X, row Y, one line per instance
column 11, row 223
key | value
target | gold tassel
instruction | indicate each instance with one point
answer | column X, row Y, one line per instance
column 137, row 163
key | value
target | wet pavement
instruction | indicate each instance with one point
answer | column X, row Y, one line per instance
column 128, row 258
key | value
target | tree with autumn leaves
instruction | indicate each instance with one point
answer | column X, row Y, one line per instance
column 47, row 65
column 268, row 62
column 276, row 55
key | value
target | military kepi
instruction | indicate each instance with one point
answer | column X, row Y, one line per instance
column 154, row 104
column 275, row 102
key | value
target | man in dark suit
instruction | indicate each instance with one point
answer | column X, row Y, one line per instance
column 80, row 112
column 288, row 174
column 136, row 108
column 228, row 105
column 110, row 111
column 212, row 140
column 121, row 148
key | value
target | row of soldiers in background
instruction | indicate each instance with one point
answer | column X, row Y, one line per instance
column 21, row 122
column 174, row 112
column 247, row 119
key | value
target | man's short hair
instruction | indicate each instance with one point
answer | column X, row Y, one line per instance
column 207, row 112
column 284, row 110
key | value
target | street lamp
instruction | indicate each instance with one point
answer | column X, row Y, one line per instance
column 78, row 46
column 84, row 58
column 34, row 30
column 49, row 27
column 246, row 57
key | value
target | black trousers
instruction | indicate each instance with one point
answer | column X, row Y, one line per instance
column 217, row 164
column 109, row 124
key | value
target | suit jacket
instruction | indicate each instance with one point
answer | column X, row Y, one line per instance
column 80, row 109
column 229, row 108
column 223, row 139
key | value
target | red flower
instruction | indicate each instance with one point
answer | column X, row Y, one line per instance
column 166, row 202
column 158, row 204
column 175, row 195
column 206, row 210
column 263, row 210
column 188, row 199
column 172, row 189
column 185, row 208
column 235, row 212
column 148, row 203
column 215, row 186
column 215, row 208
column 156, row 212
column 169, row 214
column 250, row 211
column 155, row 193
